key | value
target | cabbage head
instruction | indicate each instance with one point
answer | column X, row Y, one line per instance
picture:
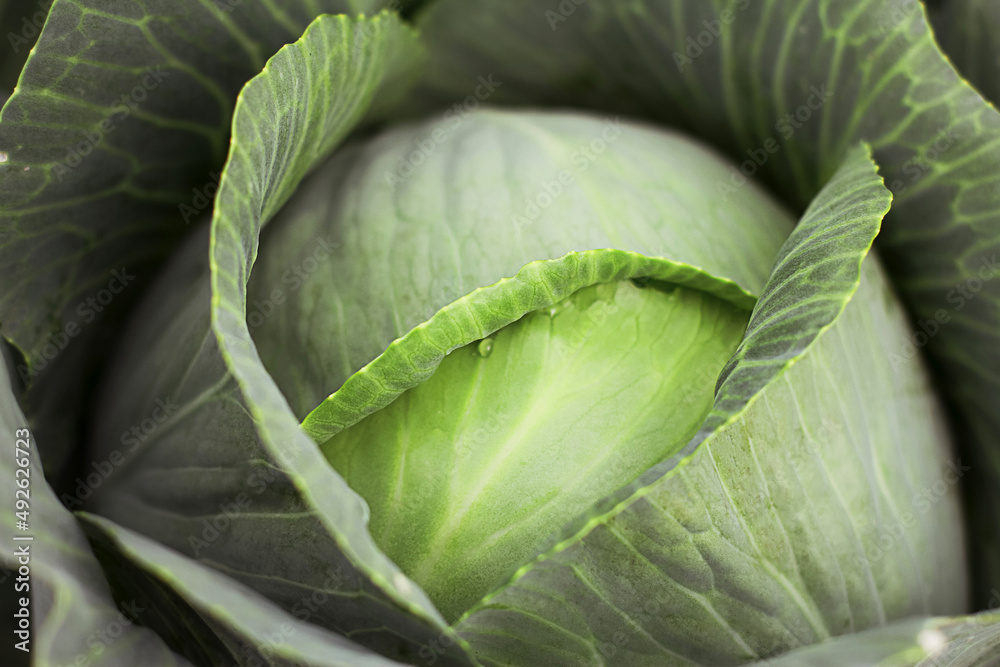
column 578, row 333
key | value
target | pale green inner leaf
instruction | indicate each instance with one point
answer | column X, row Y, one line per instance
column 469, row 473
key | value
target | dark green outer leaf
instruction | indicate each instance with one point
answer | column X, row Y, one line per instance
column 20, row 23
column 962, row 641
column 969, row 33
column 79, row 200
column 296, row 531
column 71, row 605
column 210, row 617
column 869, row 71
column 164, row 77
column 204, row 485
column 294, row 138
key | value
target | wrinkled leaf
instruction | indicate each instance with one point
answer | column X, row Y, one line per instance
column 224, row 474
column 212, row 618
column 965, row 641
column 786, row 89
column 73, row 619
column 969, row 33
column 109, row 148
column 761, row 536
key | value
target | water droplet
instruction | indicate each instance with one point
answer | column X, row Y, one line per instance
column 485, row 347
column 559, row 307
